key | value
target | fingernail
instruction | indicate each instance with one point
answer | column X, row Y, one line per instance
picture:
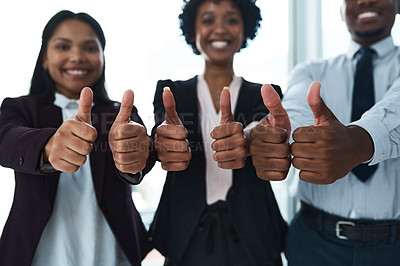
column 226, row 88
column 167, row 89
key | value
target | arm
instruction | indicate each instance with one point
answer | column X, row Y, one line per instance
column 230, row 144
column 269, row 139
column 170, row 136
column 19, row 137
column 66, row 149
column 328, row 150
column 375, row 137
column 382, row 123
column 294, row 100
column 129, row 143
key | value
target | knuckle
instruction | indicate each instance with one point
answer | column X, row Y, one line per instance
column 82, row 160
column 242, row 153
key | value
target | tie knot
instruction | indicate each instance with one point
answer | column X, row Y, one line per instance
column 366, row 51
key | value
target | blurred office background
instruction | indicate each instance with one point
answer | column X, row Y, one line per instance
column 144, row 44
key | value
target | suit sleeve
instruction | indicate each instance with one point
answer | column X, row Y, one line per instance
column 21, row 144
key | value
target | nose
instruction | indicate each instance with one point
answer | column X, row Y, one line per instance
column 76, row 55
column 220, row 27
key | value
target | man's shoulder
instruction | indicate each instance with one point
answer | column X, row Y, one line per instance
column 331, row 61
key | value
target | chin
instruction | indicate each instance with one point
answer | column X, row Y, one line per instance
column 372, row 34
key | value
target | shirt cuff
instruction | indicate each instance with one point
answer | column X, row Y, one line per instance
column 376, row 129
column 46, row 168
column 248, row 129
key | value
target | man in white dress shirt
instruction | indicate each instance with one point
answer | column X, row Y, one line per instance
column 345, row 218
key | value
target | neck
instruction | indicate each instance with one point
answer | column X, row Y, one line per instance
column 218, row 74
column 368, row 40
column 217, row 78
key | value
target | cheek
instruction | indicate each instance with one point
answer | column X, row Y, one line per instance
column 97, row 62
column 53, row 60
column 240, row 38
column 198, row 41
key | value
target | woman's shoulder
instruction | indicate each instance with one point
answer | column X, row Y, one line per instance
column 24, row 100
column 250, row 84
column 176, row 83
column 257, row 86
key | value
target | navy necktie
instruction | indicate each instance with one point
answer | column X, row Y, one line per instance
column 363, row 100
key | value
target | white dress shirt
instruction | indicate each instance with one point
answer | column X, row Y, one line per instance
column 77, row 232
column 379, row 197
column 218, row 180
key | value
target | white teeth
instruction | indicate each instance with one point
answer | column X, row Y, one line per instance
column 219, row 44
column 76, row 72
column 367, row 15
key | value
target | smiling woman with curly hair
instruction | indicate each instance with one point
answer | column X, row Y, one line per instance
column 214, row 210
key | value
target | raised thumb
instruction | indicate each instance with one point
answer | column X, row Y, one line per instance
column 125, row 110
column 85, row 105
column 225, row 107
column 322, row 114
column 171, row 116
column 277, row 116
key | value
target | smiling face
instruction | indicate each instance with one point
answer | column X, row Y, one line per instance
column 74, row 57
column 369, row 21
column 219, row 31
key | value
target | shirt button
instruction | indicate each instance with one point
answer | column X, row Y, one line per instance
column 21, row 160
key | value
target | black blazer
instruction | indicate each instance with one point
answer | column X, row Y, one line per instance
column 25, row 127
column 251, row 202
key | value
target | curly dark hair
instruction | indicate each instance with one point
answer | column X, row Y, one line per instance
column 250, row 12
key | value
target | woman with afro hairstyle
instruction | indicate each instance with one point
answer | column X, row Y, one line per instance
column 214, row 210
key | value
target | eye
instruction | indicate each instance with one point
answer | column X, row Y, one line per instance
column 207, row 21
column 233, row 21
column 62, row 47
column 91, row 49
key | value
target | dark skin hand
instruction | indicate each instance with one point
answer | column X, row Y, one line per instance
column 269, row 148
column 328, row 150
column 128, row 140
column 67, row 149
column 230, row 145
column 171, row 138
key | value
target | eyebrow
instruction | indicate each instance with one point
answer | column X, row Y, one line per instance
column 62, row 39
column 230, row 12
column 68, row 40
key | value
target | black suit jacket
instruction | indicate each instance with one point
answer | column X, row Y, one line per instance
column 25, row 127
column 251, row 202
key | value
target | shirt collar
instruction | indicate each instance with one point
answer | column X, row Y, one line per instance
column 64, row 102
column 236, row 82
column 382, row 48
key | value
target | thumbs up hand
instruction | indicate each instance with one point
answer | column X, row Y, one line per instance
column 328, row 150
column 67, row 149
column 230, row 145
column 128, row 140
column 269, row 148
column 171, row 138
